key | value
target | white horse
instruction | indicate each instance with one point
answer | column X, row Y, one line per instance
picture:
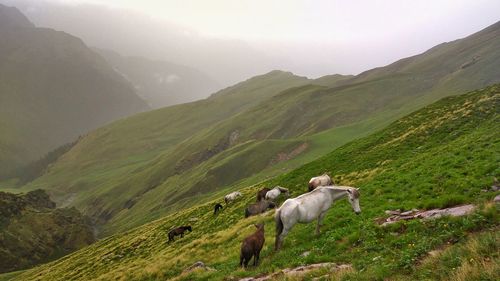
column 310, row 206
column 275, row 192
column 323, row 180
column 232, row 196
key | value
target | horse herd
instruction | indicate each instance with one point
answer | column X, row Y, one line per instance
column 305, row 208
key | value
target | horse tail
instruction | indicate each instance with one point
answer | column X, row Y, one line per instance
column 279, row 228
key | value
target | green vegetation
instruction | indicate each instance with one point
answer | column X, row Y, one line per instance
column 32, row 230
column 443, row 154
column 53, row 88
column 144, row 160
column 33, row 170
column 143, row 167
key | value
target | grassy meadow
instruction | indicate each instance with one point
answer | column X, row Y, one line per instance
column 442, row 155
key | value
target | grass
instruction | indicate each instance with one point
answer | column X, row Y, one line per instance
column 439, row 156
column 144, row 167
column 477, row 258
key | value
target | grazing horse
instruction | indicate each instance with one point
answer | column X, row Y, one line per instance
column 217, row 208
column 178, row 231
column 261, row 194
column 251, row 246
column 310, row 206
column 232, row 196
column 259, row 207
column 323, row 180
column 275, row 192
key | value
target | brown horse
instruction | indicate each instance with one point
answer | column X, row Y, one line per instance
column 258, row 208
column 261, row 194
column 251, row 246
column 178, row 231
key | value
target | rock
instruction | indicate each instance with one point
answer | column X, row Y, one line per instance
column 42, row 232
column 300, row 270
column 393, row 213
column 454, row 212
column 407, row 213
column 306, row 268
column 376, row 258
column 196, row 265
column 193, row 219
column 431, row 214
column 497, row 198
column 325, row 277
column 305, row 254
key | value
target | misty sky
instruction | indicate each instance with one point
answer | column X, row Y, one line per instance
column 321, row 37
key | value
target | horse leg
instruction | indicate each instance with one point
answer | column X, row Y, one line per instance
column 256, row 258
column 281, row 237
column 320, row 222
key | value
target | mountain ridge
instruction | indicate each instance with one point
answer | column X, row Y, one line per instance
column 54, row 88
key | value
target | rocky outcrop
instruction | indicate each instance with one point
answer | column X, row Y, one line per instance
column 397, row 215
column 33, row 230
column 300, row 271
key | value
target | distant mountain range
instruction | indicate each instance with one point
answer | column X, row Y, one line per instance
column 130, row 33
column 140, row 168
column 161, row 83
column 53, row 88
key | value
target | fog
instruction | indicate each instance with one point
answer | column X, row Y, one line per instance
column 233, row 40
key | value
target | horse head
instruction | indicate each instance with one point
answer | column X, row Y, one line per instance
column 271, row 205
column 353, row 194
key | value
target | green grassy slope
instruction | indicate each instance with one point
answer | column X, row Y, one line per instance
column 108, row 156
column 142, row 167
column 52, row 89
column 439, row 156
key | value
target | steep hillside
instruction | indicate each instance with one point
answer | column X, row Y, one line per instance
column 161, row 83
column 108, row 156
column 439, row 156
column 140, row 168
column 52, row 89
column 32, row 230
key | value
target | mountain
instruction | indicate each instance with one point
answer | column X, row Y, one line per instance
column 143, row 167
column 53, row 88
column 161, row 83
column 440, row 156
column 131, row 144
column 32, row 230
column 132, row 33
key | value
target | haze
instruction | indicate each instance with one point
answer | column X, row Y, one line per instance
column 233, row 40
